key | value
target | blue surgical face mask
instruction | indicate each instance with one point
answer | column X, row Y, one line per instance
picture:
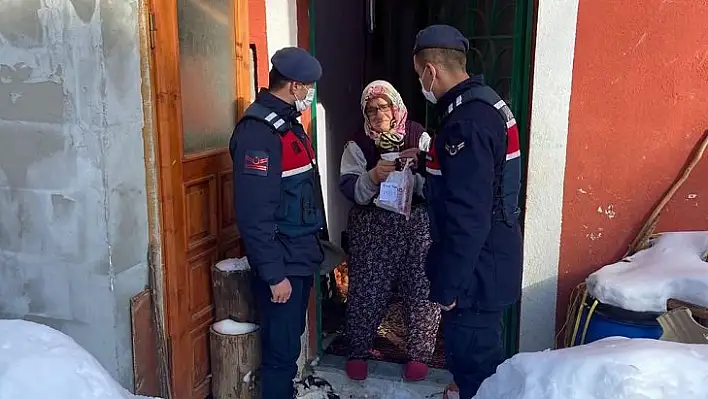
column 428, row 93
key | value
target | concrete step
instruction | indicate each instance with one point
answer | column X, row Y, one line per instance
column 385, row 381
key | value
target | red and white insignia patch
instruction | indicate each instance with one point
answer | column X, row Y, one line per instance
column 256, row 163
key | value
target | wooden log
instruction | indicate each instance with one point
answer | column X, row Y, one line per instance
column 235, row 360
column 233, row 298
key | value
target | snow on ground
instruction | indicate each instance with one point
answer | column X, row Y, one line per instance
column 38, row 362
column 371, row 388
column 671, row 268
column 613, row 368
column 231, row 327
column 234, row 264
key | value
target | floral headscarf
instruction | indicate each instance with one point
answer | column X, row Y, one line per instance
column 381, row 88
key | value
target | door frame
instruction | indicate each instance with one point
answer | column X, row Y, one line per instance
column 522, row 75
column 520, row 91
column 522, row 80
column 163, row 115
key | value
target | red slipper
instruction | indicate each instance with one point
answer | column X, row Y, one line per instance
column 357, row 369
column 415, row 371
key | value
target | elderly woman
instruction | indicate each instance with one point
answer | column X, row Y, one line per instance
column 386, row 250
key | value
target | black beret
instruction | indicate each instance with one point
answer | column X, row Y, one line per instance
column 297, row 64
column 441, row 36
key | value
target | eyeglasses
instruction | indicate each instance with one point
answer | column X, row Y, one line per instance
column 373, row 110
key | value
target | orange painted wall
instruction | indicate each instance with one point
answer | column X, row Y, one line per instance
column 257, row 33
column 639, row 104
column 303, row 40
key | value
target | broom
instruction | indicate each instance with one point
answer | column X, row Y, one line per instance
column 579, row 294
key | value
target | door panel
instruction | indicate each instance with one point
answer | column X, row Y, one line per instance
column 202, row 83
column 210, row 235
column 490, row 27
column 200, row 198
column 205, row 32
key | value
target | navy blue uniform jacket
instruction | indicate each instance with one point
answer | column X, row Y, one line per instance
column 475, row 258
column 277, row 212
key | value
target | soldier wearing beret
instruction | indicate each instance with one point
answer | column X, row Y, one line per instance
column 473, row 168
column 278, row 213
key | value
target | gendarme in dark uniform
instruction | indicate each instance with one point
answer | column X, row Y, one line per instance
column 278, row 212
column 472, row 188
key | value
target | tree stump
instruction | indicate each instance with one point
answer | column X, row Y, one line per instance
column 235, row 360
column 233, row 298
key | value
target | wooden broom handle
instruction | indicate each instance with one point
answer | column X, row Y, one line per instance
column 653, row 219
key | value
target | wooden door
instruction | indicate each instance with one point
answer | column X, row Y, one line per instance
column 202, row 82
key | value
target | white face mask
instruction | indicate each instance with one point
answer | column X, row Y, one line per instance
column 428, row 94
column 305, row 103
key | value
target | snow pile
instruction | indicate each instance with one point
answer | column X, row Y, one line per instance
column 230, row 327
column 38, row 362
column 613, row 368
column 234, row 264
column 383, row 389
column 673, row 267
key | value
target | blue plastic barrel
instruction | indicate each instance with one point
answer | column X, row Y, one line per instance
column 612, row 321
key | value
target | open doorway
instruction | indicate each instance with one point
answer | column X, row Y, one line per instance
column 384, row 31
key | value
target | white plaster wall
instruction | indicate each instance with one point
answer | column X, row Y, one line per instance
column 281, row 31
column 281, row 24
column 327, row 167
column 553, row 73
column 73, row 216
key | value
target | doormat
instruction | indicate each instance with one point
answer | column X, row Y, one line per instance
column 389, row 341
column 387, row 351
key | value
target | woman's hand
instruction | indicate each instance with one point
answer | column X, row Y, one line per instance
column 412, row 154
column 381, row 171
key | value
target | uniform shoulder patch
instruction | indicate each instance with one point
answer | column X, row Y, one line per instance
column 453, row 149
column 256, row 163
